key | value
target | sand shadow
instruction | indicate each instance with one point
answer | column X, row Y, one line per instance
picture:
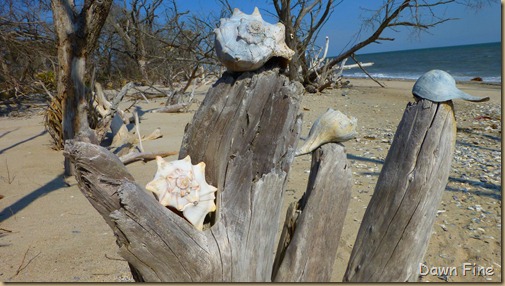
column 24, row 141
column 53, row 185
column 359, row 158
column 7, row 132
column 486, row 189
column 480, row 193
column 478, row 184
column 473, row 132
column 458, row 142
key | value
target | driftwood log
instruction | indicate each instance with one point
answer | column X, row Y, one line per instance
column 309, row 241
column 174, row 108
column 397, row 224
column 246, row 131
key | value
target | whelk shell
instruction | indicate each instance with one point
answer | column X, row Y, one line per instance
column 246, row 42
column 331, row 126
column 181, row 185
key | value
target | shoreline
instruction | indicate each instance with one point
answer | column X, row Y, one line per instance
column 389, row 79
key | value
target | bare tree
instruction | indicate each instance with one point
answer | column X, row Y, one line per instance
column 135, row 24
column 391, row 15
column 26, row 53
column 303, row 19
column 77, row 33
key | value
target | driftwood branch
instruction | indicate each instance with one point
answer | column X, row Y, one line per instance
column 174, row 108
column 137, row 130
column 154, row 135
column 363, row 69
column 98, row 173
column 396, row 227
column 144, row 156
column 143, row 227
column 310, row 255
column 109, row 109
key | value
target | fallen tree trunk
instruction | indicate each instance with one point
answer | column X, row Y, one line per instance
column 396, row 227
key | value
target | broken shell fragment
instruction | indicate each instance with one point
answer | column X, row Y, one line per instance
column 246, row 42
column 332, row 126
column 181, row 185
column 440, row 86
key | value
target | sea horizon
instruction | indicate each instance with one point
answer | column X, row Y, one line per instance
column 438, row 47
column 463, row 62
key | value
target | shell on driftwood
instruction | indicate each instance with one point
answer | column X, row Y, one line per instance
column 331, row 126
column 181, row 185
column 440, row 86
column 246, row 42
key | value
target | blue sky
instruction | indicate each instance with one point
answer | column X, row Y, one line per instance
column 474, row 26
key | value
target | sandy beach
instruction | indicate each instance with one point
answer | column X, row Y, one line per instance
column 49, row 232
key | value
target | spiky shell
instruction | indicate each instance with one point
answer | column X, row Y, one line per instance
column 181, row 185
column 331, row 126
column 246, row 42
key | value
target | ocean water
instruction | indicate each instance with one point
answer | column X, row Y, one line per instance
column 462, row 62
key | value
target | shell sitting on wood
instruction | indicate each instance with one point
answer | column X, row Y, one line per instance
column 439, row 86
column 181, row 185
column 246, row 42
column 332, row 126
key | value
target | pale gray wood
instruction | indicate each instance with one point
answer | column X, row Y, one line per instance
column 174, row 108
column 161, row 245
column 144, row 156
column 246, row 132
column 397, row 224
column 113, row 107
column 98, row 173
column 288, row 230
column 311, row 253
column 157, row 243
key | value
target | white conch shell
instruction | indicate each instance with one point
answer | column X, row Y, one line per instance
column 246, row 42
column 331, row 126
column 181, row 185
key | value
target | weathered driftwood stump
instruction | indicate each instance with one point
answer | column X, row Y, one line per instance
column 309, row 241
column 246, row 131
column 396, row 227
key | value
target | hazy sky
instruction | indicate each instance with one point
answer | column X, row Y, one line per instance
column 474, row 26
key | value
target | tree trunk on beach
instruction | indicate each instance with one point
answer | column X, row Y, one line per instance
column 397, row 225
column 77, row 35
column 245, row 131
column 305, row 254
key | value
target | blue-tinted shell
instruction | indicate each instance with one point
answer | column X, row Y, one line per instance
column 439, row 86
column 246, row 42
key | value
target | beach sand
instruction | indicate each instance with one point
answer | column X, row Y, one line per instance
column 49, row 232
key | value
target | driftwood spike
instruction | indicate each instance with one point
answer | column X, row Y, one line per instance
column 396, row 227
